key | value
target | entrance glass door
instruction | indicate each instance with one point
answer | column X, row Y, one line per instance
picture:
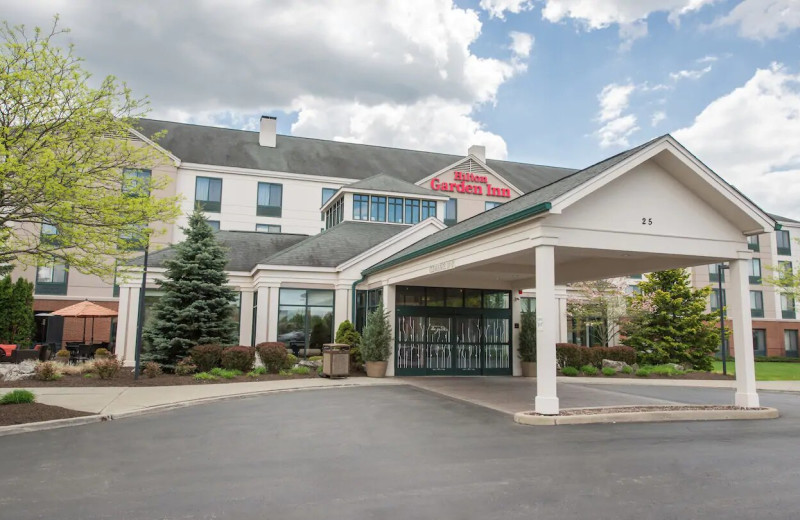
column 467, row 346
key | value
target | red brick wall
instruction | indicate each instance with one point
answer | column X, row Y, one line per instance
column 73, row 327
column 774, row 332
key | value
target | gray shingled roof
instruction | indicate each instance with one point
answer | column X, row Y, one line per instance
column 239, row 148
column 336, row 245
column 507, row 211
column 383, row 182
column 245, row 248
column 782, row 219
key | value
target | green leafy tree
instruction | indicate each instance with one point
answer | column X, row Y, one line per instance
column 377, row 336
column 197, row 305
column 64, row 150
column 348, row 335
column 16, row 311
column 668, row 323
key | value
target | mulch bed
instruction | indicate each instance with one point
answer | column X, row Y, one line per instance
column 34, row 412
column 125, row 378
column 688, row 375
column 654, row 408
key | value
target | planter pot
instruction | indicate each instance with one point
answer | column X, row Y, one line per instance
column 377, row 368
column 528, row 369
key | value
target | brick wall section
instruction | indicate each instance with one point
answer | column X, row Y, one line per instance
column 774, row 332
column 73, row 327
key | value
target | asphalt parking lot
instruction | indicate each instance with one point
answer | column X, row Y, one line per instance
column 402, row 452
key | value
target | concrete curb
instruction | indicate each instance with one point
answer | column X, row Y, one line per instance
column 644, row 416
column 89, row 419
column 50, row 425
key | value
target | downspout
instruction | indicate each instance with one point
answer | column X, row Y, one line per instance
column 353, row 290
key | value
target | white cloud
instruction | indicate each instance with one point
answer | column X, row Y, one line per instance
column 614, row 100
column 690, row 74
column 448, row 127
column 216, row 64
column 630, row 15
column 750, row 138
column 707, row 59
column 657, row 118
column 764, row 19
column 521, row 44
column 497, row 8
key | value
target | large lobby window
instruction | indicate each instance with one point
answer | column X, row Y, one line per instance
column 52, row 279
column 428, row 209
column 395, row 210
column 360, row 207
column 451, row 212
column 208, row 194
column 305, row 320
column 377, row 212
column 412, row 211
column 270, row 199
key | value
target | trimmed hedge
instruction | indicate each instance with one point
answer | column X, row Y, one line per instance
column 273, row 355
column 572, row 355
column 239, row 358
column 206, row 357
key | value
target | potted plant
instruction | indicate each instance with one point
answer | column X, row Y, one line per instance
column 527, row 344
column 376, row 342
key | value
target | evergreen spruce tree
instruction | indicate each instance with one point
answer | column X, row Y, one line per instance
column 668, row 323
column 197, row 306
column 21, row 326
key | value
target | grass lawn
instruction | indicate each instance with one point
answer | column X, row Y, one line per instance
column 768, row 371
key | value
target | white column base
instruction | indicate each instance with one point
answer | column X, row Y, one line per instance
column 747, row 400
column 546, row 405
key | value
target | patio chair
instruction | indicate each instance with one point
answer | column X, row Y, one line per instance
column 20, row 355
column 84, row 351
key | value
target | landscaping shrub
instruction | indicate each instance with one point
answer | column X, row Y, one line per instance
column 291, row 360
column 589, row 370
column 773, row 359
column 621, row 353
column 107, row 368
column 348, row 335
column 185, row 367
column 569, row 355
column 258, row 371
column 102, row 353
column 273, row 355
column 239, row 358
column 62, row 355
column 206, row 357
column 608, row 371
column 152, row 369
column 643, row 372
column 205, row 376
column 47, row 371
column 77, row 370
column 89, row 376
column 315, row 358
column 300, row 370
column 225, row 373
column 18, row 397
column 664, row 370
column 627, row 370
column 569, row 371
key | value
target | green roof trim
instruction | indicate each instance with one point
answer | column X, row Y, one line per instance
column 778, row 226
column 471, row 233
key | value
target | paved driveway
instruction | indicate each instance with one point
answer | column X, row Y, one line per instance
column 400, row 453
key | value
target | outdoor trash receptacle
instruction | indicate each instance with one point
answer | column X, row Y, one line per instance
column 335, row 360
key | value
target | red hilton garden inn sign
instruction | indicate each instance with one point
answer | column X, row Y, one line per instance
column 475, row 189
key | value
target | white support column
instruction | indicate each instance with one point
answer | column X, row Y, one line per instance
column 123, row 321
column 739, row 313
column 340, row 313
column 516, row 320
column 389, row 306
column 563, row 330
column 262, row 312
column 246, row 318
column 272, row 316
column 546, row 331
column 128, row 352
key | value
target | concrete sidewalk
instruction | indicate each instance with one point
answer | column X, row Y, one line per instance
column 121, row 401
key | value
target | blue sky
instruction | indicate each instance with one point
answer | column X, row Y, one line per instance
column 562, row 82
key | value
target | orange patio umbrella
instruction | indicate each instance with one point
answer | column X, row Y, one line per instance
column 86, row 309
